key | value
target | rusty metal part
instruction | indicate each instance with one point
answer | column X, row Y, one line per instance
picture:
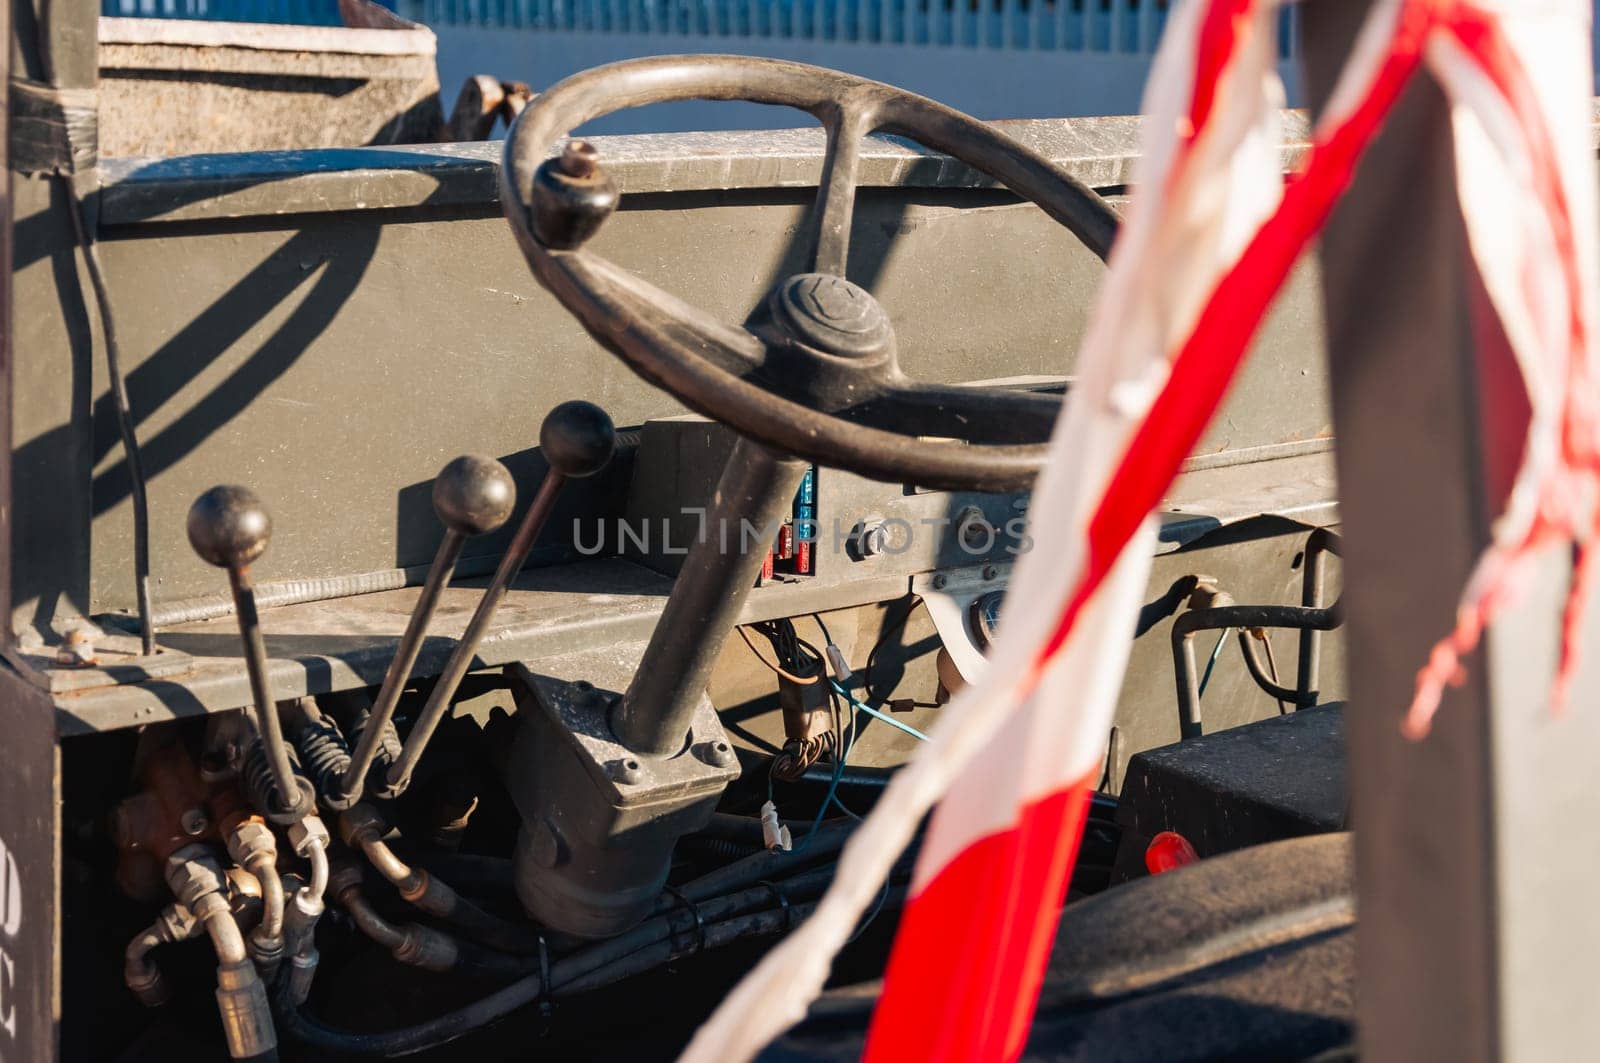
column 832, row 390
column 76, row 649
column 363, row 828
column 159, row 818
column 482, row 102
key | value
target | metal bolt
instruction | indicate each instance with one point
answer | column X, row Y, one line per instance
column 975, row 530
column 990, row 572
column 940, row 581
column 194, row 822
column 579, row 159
column 626, row 770
column 718, row 753
column 869, row 538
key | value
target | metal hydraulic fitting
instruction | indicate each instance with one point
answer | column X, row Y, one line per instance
column 246, row 1012
column 360, row 824
column 193, row 873
column 302, row 973
column 344, row 877
column 299, row 939
column 308, row 832
column 417, row 946
column 254, row 847
column 143, row 977
column 427, row 948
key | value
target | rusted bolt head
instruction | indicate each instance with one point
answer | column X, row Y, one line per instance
column 229, row 527
column 579, row 159
column 474, row 494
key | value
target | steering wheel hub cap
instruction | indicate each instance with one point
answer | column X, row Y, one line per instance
column 832, row 315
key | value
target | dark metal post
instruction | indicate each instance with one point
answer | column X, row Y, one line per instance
column 1475, row 855
column 30, row 776
column 756, row 489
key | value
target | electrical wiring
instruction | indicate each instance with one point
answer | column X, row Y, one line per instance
column 778, row 669
column 1216, row 651
column 882, row 716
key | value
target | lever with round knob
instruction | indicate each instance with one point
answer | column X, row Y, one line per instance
column 472, row 495
column 577, row 440
column 230, row 528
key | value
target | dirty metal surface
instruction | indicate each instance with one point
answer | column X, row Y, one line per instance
column 321, row 646
column 176, row 87
column 579, row 691
column 335, row 361
column 1100, row 152
column 581, row 607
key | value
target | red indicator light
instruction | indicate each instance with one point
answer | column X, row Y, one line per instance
column 1168, row 850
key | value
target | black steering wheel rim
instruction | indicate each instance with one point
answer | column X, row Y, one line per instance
column 717, row 369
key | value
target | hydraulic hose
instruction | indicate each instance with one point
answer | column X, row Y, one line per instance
column 420, row 946
column 363, row 828
column 576, row 973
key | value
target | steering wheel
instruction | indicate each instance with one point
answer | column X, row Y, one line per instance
column 813, row 372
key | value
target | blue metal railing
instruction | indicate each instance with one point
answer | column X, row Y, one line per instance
column 1125, row 27
column 293, row 12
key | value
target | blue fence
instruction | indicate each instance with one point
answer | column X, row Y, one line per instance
column 293, row 12
column 1127, row 27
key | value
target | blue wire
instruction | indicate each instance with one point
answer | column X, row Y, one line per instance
column 1216, row 651
column 876, row 715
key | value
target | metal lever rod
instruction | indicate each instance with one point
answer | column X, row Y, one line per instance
column 229, row 527
column 472, row 496
column 577, row 440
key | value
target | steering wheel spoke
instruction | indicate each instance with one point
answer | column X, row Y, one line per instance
column 978, row 414
column 816, row 374
column 624, row 298
column 836, row 194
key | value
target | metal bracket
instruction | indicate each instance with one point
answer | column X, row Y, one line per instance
column 601, row 820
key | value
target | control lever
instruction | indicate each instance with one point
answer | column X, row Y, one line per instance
column 229, row 527
column 473, row 496
column 577, row 440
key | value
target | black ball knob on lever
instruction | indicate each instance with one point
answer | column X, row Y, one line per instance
column 572, row 197
column 230, row 528
column 473, row 495
column 577, row 439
